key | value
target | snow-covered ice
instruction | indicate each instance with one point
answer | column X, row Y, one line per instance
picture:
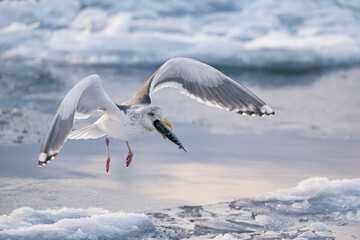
column 313, row 188
column 68, row 223
column 263, row 34
column 269, row 218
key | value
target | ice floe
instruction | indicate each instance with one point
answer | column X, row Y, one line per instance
column 272, row 218
column 314, row 187
column 68, row 223
column 261, row 34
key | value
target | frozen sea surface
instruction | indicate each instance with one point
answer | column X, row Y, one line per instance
column 320, row 104
column 317, row 208
column 217, row 190
column 283, row 35
column 242, row 178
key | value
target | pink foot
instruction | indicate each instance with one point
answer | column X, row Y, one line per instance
column 129, row 156
column 108, row 155
column 107, row 164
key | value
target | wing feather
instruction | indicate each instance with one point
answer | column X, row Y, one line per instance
column 203, row 83
column 91, row 131
column 81, row 101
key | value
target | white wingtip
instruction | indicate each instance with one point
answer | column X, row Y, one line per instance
column 266, row 109
column 42, row 157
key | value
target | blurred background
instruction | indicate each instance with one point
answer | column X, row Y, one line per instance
column 301, row 57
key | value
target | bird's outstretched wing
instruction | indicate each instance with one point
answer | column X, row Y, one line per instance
column 203, row 83
column 80, row 102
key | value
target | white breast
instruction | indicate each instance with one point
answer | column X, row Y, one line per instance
column 127, row 131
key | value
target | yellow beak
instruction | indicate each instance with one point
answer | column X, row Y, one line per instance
column 166, row 122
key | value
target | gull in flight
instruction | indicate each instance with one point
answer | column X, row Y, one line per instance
column 137, row 118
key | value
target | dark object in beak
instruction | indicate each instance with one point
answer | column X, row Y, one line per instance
column 166, row 132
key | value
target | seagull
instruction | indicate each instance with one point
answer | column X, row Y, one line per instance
column 136, row 118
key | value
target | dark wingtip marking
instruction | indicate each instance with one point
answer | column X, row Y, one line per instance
column 259, row 113
column 48, row 159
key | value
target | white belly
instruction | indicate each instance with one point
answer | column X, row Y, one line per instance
column 123, row 131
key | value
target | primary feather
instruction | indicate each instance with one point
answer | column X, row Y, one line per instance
column 204, row 84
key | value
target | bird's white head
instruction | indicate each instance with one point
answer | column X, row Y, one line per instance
column 153, row 118
column 151, row 114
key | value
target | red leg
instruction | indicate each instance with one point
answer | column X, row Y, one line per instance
column 129, row 156
column 108, row 155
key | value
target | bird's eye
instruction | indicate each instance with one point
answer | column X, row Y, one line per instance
column 151, row 114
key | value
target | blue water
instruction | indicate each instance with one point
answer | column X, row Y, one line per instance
column 188, row 194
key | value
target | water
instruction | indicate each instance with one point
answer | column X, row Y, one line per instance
column 214, row 190
column 308, row 217
column 292, row 175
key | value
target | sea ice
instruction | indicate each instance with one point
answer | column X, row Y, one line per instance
column 313, row 187
column 240, row 219
column 302, row 35
column 68, row 223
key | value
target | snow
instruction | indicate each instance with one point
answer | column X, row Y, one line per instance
column 314, row 187
column 318, row 226
column 240, row 219
column 248, row 33
column 224, row 237
column 70, row 223
column 306, row 235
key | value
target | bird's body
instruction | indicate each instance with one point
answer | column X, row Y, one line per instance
column 137, row 118
column 130, row 128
